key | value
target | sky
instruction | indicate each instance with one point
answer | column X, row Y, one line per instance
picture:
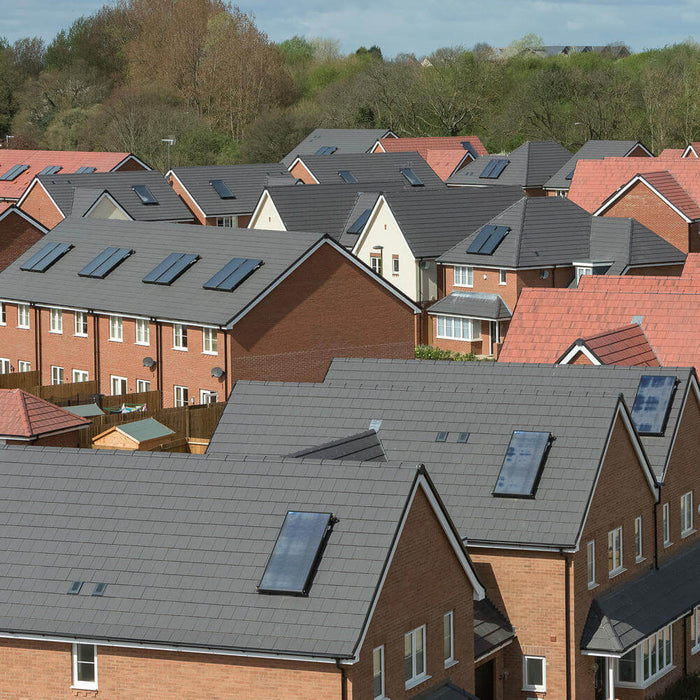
column 418, row 26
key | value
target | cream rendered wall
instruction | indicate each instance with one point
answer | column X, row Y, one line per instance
column 383, row 229
column 105, row 209
column 267, row 217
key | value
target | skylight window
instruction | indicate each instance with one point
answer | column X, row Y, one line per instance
column 85, row 169
column 522, row 466
column 75, row 588
column 145, row 194
column 232, row 274
column 171, row 268
column 296, row 554
column 653, row 403
column 222, row 189
column 51, row 170
column 14, row 172
column 570, row 175
column 411, row 177
column 494, row 168
column 347, row 177
column 105, row 262
column 99, row 589
column 441, row 436
column 47, row 256
column 488, row 239
column 360, row 221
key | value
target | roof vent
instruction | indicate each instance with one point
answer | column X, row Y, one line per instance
column 441, row 436
column 638, row 319
column 99, row 589
column 463, row 437
column 375, row 424
column 75, row 588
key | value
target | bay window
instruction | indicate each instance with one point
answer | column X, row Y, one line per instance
column 648, row 661
column 458, row 328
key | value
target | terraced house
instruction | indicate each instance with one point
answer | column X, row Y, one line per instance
column 186, row 311
column 574, row 489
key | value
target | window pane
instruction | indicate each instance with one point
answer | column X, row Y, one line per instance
column 377, row 673
column 447, row 636
column 627, row 667
column 408, row 656
column 420, row 660
column 533, row 669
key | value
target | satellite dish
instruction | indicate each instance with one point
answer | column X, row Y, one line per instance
column 149, row 362
column 217, row 372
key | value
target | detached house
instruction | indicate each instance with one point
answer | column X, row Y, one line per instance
column 126, row 196
column 558, row 185
column 226, row 195
column 180, row 309
column 529, row 166
column 573, row 487
column 335, row 142
column 222, row 576
column 19, row 167
column 536, row 242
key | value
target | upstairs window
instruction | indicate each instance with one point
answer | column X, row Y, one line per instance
column 615, row 551
column 695, row 630
column 227, row 221
column 116, row 328
column 376, row 264
column 414, row 657
column 85, row 666
column 448, row 639
column 179, row 337
column 687, row 514
column 143, row 331
column 210, row 341
column 81, row 324
column 56, row 320
column 464, row 276
column 638, row 549
column 22, row 315
column 590, row 561
column 666, row 524
column 3, row 314
column 378, row 673
column 502, row 277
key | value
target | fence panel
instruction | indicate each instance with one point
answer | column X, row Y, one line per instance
column 20, row 380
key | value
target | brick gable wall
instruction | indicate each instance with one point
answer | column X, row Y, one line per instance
column 38, row 204
column 17, row 235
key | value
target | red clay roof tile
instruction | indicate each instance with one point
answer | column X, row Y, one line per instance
column 25, row 415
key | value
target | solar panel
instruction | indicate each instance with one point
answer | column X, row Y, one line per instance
column 488, row 239
column 653, row 403
column 481, row 238
column 75, row 588
column 347, row 176
column 171, row 268
column 326, row 151
column 145, row 194
column 486, row 172
column 99, row 589
column 51, row 170
column 498, row 168
column 47, row 256
column 105, row 262
column 360, row 222
column 570, row 175
column 463, row 437
column 441, row 436
column 469, row 148
column 14, row 172
column 295, row 555
column 412, row 178
column 86, row 169
column 523, row 464
column 232, row 274
column 222, row 189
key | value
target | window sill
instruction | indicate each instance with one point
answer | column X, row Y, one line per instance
column 80, row 335
column 639, row 560
column 616, row 572
column 695, row 649
column 451, row 662
column 668, row 544
column 688, row 533
column 417, row 681
column 92, row 686
column 143, row 345
column 464, row 286
column 179, row 349
column 593, row 585
column 24, row 328
column 211, row 354
column 56, row 332
column 116, row 340
column 538, row 689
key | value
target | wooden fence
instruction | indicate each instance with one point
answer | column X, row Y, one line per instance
column 20, row 380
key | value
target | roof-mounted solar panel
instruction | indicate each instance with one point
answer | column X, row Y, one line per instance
column 570, row 175
column 347, row 176
column 47, row 256
column 653, row 403
column 326, row 151
column 486, row 172
column 297, row 551
column 360, row 221
column 522, row 466
column 51, row 170
column 14, row 172
column 222, row 189
column 411, row 177
column 145, row 194
column 494, row 168
column 488, row 239
column 171, row 268
column 86, row 169
column 469, row 148
column 75, row 587
column 232, row 274
column 105, row 262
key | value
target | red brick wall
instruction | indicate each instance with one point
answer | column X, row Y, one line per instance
column 38, row 204
column 301, row 172
column 189, row 202
column 130, row 165
column 637, row 152
column 425, row 581
column 642, row 204
column 17, row 343
column 17, row 235
column 657, row 271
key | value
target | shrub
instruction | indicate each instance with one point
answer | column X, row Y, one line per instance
column 428, row 352
column 687, row 688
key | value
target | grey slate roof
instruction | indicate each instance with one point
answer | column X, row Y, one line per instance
column 87, row 410
column 622, row 618
column 415, row 399
column 75, row 193
column 146, row 429
column 591, row 150
column 372, row 168
column 491, row 629
column 345, row 140
column 472, row 304
column 363, row 447
column 531, row 165
column 247, row 183
column 554, row 231
column 182, row 541
column 432, row 221
column 123, row 291
column 445, row 691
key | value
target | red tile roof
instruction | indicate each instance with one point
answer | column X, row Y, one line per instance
column 623, row 346
column 696, row 148
column 69, row 161
column 548, row 321
column 423, row 144
column 24, row 415
column 668, row 186
column 596, row 180
column 671, row 153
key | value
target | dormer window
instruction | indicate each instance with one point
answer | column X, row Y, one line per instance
column 582, row 270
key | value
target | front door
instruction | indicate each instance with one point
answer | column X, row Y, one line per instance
column 599, row 678
column 483, row 681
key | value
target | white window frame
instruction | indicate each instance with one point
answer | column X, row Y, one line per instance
column 5, row 365
column 84, row 685
column 666, row 524
column 23, row 320
column 502, row 277
column 179, row 337
column 582, row 271
column 80, row 375
column 142, row 330
column 378, row 654
column 116, row 329
column 590, row 564
column 395, row 265
column 57, row 375
column 3, row 314
column 205, row 396
column 210, row 341
column 142, row 386
column 375, row 262
column 24, row 366
column 616, row 550
column 695, row 630
column 80, row 322
column 662, row 643
column 55, row 320
column 687, row 514
column 114, row 378
column 538, row 688
column 227, row 221
column 181, row 396
column 448, row 639
column 453, row 327
column 638, row 539
column 416, row 677
column 465, row 276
